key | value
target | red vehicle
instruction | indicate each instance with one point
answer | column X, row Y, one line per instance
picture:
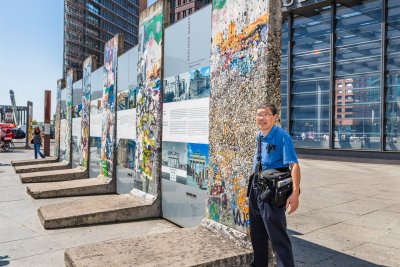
column 6, row 139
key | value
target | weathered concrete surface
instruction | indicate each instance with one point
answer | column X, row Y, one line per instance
column 23, row 240
column 323, row 232
column 42, row 167
column 101, row 209
column 34, row 161
column 184, row 247
column 81, row 187
column 53, row 176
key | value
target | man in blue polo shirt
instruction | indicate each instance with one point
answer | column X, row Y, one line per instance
column 266, row 220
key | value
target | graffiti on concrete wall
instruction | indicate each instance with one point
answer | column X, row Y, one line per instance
column 245, row 61
column 60, row 85
column 149, row 99
column 85, row 113
column 108, row 110
column 68, row 114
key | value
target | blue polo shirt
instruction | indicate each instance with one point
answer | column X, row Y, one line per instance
column 281, row 151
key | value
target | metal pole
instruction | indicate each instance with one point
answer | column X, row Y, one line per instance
column 47, row 111
column 28, row 133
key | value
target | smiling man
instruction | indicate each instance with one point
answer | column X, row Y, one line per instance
column 266, row 220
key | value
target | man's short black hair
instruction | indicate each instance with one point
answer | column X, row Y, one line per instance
column 271, row 106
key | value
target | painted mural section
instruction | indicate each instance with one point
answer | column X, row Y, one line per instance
column 186, row 88
column 245, row 56
column 149, row 98
column 63, row 123
column 126, row 177
column 60, row 85
column 88, row 67
column 108, row 111
column 95, row 130
column 76, row 122
column 66, row 119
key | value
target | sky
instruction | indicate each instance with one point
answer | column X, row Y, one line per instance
column 31, row 51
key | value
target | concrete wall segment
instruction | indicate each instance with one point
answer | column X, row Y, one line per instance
column 149, row 99
column 60, row 85
column 112, row 49
column 245, row 58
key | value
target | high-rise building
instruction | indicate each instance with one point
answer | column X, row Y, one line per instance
column 182, row 8
column 88, row 24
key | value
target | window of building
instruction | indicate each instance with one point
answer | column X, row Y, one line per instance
column 284, row 66
column 310, row 92
column 349, row 84
column 92, row 8
column 358, row 54
column 340, row 85
column 392, row 129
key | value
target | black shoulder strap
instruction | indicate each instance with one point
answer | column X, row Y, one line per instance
column 259, row 166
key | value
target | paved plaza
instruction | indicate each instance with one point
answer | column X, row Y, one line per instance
column 349, row 215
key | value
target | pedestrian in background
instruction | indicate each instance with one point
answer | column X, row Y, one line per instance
column 37, row 141
column 267, row 221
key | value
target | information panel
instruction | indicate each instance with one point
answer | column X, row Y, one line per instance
column 76, row 122
column 185, row 118
column 96, row 96
column 126, row 120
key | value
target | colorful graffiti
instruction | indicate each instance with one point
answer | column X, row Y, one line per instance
column 149, row 101
column 85, row 113
column 245, row 56
column 60, row 84
column 71, row 75
column 108, row 110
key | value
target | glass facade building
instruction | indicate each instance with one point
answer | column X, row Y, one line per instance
column 88, row 24
column 340, row 75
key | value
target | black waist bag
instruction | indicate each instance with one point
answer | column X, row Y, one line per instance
column 275, row 186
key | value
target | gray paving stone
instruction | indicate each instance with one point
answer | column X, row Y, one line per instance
column 10, row 231
column 88, row 235
column 315, row 220
column 363, row 206
column 394, row 208
column 377, row 254
column 51, row 259
column 28, row 247
column 380, row 220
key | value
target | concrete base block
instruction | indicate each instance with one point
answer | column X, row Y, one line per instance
column 42, row 167
column 98, row 209
column 82, row 187
column 34, row 161
column 184, row 247
column 53, row 176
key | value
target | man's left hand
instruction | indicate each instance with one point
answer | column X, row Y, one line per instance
column 293, row 202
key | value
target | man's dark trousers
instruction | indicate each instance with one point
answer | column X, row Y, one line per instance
column 268, row 222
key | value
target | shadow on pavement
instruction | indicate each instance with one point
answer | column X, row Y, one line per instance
column 307, row 253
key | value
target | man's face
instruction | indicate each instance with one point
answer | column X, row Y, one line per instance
column 265, row 119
